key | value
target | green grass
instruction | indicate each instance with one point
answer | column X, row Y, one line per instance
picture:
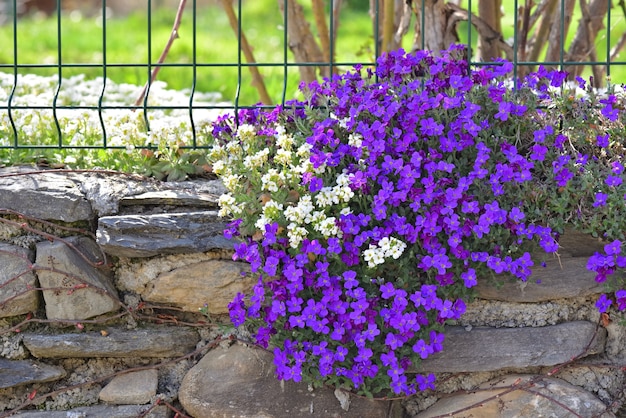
column 216, row 44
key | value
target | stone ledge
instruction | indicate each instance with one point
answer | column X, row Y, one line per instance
column 488, row 349
column 151, row 235
column 148, row 342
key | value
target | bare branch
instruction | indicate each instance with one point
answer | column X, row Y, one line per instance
column 486, row 32
column 166, row 50
column 257, row 79
column 301, row 41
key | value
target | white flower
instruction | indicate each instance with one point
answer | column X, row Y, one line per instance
column 261, row 222
column 272, row 179
column 283, row 156
column 296, row 234
column 272, row 210
column 219, row 167
column 246, row 131
column 231, row 181
column 226, row 202
column 355, row 140
column 373, row 255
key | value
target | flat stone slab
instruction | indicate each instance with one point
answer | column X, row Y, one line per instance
column 150, row 342
column 173, row 198
column 25, row 193
column 20, row 372
column 150, row 235
column 131, row 388
column 487, row 349
column 546, row 397
column 74, row 288
column 566, row 277
column 240, row 382
column 17, row 282
column 100, row 411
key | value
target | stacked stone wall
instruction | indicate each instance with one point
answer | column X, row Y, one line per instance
column 102, row 279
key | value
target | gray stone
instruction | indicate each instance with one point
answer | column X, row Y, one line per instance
column 47, row 195
column 173, row 198
column 215, row 282
column 487, row 349
column 105, row 190
column 148, row 342
column 100, row 411
column 565, row 277
column 150, row 235
column 240, row 382
column 538, row 397
column 131, row 388
column 17, row 281
column 75, row 289
column 20, row 372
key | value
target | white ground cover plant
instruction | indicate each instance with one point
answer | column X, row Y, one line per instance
column 165, row 134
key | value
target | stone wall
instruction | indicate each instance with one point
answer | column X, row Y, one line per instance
column 102, row 277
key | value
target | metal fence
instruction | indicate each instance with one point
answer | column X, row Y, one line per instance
column 548, row 33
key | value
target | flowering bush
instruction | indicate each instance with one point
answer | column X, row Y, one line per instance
column 369, row 212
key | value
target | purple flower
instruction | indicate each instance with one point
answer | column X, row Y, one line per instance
column 602, row 140
column 538, row 152
column 614, row 248
column 613, row 181
column 387, row 291
column 425, row 382
column 620, row 297
column 600, row 199
column 270, row 265
column 316, row 184
column 237, row 310
column 504, row 110
column 469, row 278
column 603, row 303
column 423, row 349
column 608, row 111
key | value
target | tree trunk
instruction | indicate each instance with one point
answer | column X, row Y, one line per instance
column 555, row 42
column 301, row 40
column 489, row 12
column 436, row 34
column 583, row 47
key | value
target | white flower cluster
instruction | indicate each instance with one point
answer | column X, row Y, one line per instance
column 272, row 179
column 341, row 193
column 387, row 247
column 272, row 211
column 228, row 205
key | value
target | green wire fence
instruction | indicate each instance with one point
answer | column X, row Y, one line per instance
column 582, row 36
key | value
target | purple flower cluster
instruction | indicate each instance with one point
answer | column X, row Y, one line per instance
column 439, row 167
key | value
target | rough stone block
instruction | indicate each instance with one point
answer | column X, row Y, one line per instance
column 17, row 282
column 131, row 388
column 68, row 297
column 240, row 382
column 215, row 282
column 544, row 398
